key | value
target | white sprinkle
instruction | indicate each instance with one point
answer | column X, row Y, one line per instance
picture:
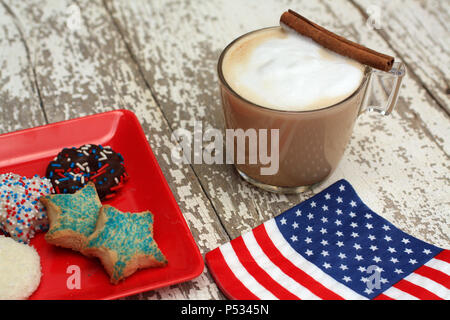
column 104, row 157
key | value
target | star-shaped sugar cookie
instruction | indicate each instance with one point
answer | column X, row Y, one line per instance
column 124, row 243
column 72, row 217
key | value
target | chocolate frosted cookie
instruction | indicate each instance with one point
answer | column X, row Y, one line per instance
column 74, row 167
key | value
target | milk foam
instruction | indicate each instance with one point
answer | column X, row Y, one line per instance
column 286, row 71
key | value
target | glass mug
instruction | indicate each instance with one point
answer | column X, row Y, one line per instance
column 310, row 143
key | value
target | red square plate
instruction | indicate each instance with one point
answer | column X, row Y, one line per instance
column 27, row 152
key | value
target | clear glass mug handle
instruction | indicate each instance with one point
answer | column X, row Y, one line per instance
column 396, row 74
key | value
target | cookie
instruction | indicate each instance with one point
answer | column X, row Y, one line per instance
column 21, row 213
column 124, row 243
column 20, row 269
column 72, row 217
column 73, row 167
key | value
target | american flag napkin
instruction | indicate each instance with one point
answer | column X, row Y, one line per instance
column 331, row 246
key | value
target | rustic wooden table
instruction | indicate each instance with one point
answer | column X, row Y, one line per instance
column 61, row 59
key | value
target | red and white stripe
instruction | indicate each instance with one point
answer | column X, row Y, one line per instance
column 262, row 265
column 429, row 282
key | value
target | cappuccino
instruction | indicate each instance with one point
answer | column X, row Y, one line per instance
column 276, row 80
column 282, row 70
column 272, row 79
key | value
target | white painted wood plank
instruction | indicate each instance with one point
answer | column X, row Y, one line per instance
column 177, row 45
column 420, row 32
column 83, row 67
column 19, row 101
column 399, row 155
column 398, row 164
column 179, row 62
column 416, row 105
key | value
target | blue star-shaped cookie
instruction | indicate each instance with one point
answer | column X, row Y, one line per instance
column 72, row 217
column 124, row 243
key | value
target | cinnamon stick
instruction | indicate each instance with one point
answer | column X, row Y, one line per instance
column 336, row 43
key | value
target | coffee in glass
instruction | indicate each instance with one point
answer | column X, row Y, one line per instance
column 276, row 79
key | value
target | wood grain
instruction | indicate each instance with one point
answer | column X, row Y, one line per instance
column 19, row 99
column 64, row 59
column 416, row 105
column 178, row 61
column 413, row 142
column 419, row 32
column 82, row 67
column 385, row 161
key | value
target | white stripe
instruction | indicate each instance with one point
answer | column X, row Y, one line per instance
column 241, row 273
column 398, row 294
column 429, row 284
column 312, row 270
column 440, row 265
column 274, row 271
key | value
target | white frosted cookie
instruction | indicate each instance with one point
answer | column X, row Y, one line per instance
column 21, row 213
column 20, row 270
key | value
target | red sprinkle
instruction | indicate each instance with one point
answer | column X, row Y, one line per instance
column 103, row 167
column 95, row 176
column 120, row 185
